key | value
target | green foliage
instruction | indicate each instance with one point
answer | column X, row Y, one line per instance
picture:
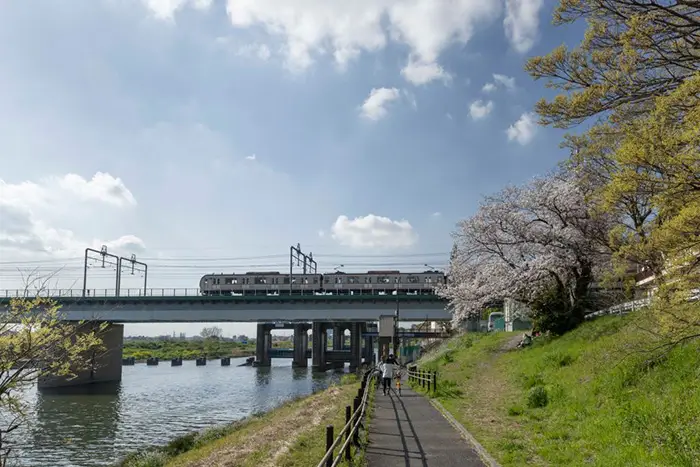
column 188, row 350
column 593, row 396
column 537, row 397
column 35, row 342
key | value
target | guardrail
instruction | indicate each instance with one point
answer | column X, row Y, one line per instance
column 423, row 377
column 172, row 292
column 353, row 421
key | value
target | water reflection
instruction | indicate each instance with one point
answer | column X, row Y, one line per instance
column 61, row 419
column 151, row 406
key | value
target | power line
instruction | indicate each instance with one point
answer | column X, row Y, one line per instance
column 222, row 259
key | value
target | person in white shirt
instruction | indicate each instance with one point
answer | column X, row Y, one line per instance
column 387, row 369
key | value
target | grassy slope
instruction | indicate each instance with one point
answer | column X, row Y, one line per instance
column 602, row 409
column 292, row 435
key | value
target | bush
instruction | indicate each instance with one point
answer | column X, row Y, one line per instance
column 537, row 397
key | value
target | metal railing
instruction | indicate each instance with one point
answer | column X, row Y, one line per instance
column 353, row 421
column 423, row 377
column 172, row 292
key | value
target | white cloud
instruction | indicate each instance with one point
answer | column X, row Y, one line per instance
column 523, row 130
column 479, row 110
column 321, row 233
column 374, row 106
column 165, row 9
column 489, row 87
column 260, row 51
column 27, row 211
column 522, row 22
column 505, row 81
column 103, row 187
column 411, row 98
column 419, row 73
column 345, row 29
column 437, row 214
column 373, row 231
column 251, row 157
column 499, row 81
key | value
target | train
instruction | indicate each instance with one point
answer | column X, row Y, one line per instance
column 337, row 283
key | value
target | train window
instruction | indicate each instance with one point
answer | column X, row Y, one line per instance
column 353, row 280
column 231, row 280
column 338, row 280
column 260, row 280
column 315, row 280
column 382, row 280
column 305, row 280
column 412, row 279
column 428, row 280
column 397, row 279
column 285, row 280
column 326, row 280
column 368, row 279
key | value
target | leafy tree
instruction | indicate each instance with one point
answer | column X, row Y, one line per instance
column 632, row 51
column 525, row 243
column 34, row 342
column 213, row 331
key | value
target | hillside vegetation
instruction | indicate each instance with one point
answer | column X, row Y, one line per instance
column 586, row 398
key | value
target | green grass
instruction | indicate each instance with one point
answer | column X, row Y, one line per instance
column 580, row 399
column 291, row 435
column 310, row 448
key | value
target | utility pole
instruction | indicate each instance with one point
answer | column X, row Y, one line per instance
column 134, row 267
column 396, row 325
column 295, row 253
column 103, row 255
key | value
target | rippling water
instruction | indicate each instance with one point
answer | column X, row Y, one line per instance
column 152, row 405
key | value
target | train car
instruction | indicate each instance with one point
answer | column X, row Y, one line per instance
column 383, row 282
column 259, row 283
column 371, row 282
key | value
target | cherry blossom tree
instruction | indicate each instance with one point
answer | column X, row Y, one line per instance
column 537, row 244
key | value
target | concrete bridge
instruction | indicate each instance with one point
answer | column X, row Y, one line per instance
column 320, row 313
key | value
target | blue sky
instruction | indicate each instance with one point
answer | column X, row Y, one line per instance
column 189, row 130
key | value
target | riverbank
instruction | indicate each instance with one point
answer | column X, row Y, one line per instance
column 291, row 435
column 187, row 350
column 580, row 399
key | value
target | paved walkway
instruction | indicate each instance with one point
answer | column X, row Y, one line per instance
column 408, row 431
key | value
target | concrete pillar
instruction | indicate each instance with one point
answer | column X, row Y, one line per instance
column 355, row 345
column 338, row 337
column 301, row 345
column 263, row 344
column 318, row 352
column 368, row 350
column 384, row 349
column 106, row 366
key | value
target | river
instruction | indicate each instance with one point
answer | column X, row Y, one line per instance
column 152, row 405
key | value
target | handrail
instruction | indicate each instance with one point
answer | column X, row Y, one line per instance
column 423, row 377
column 354, row 422
column 166, row 292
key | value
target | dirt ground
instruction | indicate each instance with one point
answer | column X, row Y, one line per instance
column 273, row 439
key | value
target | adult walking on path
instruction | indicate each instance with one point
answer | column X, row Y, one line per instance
column 408, row 431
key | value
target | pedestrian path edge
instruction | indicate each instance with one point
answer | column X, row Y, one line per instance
column 485, row 456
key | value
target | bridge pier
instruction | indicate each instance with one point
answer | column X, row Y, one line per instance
column 338, row 342
column 106, row 366
column 263, row 344
column 301, row 346
column 368, row 350
column 318, row 353
column 355, row 345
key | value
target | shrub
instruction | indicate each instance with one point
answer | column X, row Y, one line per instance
column 537, row 397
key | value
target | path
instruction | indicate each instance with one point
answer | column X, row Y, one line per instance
column 408, row 431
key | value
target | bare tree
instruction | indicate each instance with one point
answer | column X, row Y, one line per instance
column 213, row 331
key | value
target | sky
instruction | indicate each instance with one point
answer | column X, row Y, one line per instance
column 211, row 135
